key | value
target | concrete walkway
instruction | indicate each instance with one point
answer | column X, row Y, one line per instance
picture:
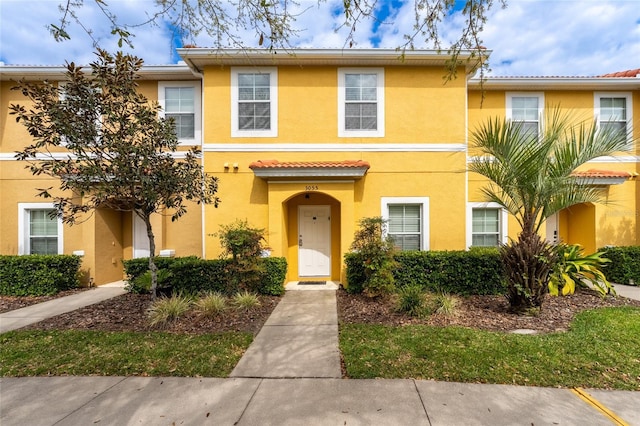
column 298, row 340
column 19, row 318
column 632, row 292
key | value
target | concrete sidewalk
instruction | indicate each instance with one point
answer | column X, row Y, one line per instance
column 19, row 318
column 193, row 401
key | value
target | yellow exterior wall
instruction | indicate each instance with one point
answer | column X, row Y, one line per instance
column 105, row 236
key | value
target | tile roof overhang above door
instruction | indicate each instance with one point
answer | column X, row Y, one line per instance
column 268, row 169
column 602, row 177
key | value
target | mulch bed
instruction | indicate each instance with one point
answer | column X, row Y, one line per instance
column 128, row 313
column 479, row 312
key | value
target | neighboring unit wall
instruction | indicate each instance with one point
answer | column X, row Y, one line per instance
column 104, row 237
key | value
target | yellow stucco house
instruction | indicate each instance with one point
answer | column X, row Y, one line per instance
column 307, row 142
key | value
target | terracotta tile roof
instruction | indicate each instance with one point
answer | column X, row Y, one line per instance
column 602, row 174
column 275, row 164
column 628, row 73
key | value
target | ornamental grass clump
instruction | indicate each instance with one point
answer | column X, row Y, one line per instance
column 445, row 303
column 412, row 300
column 168, row 309
column 246, row 300
column 211, row 305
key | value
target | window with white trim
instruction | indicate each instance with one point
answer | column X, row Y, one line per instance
column 181, row 100
column 407, row 221
column 254, row 102
column 487, row 223
column 360, row 102
column 613, row 111
column 526, row 109
column 38, row 232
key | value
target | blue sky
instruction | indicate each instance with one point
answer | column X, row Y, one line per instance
column 529, row 37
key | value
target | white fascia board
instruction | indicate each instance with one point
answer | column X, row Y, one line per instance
column 333, row 147
column 56, row 73
column 197, row 58
column 554, row 83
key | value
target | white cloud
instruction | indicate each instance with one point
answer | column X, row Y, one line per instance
column 529, row 37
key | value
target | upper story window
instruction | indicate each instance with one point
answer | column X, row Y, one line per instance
column 613, row 111
column 254, row 102
column 38, row 232
column 181, row 101
column 407, row 221
column 361, row 102
column 526, row 109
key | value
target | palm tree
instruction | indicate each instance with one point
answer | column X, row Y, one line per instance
column 531, row 177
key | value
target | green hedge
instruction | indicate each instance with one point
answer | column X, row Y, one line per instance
column 193, row 275
column 625, row 264
column 38, row 275
column 477, row 271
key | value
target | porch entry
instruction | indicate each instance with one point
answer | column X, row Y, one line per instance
column 314, row 241
column 140, row 238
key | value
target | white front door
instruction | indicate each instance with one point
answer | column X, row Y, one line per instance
column 314, row 241
column 140, row 238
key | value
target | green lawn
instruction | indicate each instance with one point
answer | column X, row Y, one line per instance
column 57, row 353
column 602, row 350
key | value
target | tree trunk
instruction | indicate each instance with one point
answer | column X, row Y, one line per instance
column 153, row 269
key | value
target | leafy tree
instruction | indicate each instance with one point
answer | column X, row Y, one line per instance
column 108, row 146
column 273, row 23
column 531, row 177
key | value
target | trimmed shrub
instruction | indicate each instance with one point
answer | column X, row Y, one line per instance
column 477, row 271
column 38, row 275
column 191, row 275
column 625, row 264
column 275, row 272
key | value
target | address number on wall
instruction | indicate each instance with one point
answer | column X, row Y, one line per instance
column 311, row 188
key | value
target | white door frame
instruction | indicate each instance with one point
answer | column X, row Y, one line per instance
column 316, row 269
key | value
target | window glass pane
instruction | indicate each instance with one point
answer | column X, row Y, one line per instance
column 369, row 94
column 245, row 80
column 352, row 80
column 245, row 93
column 485, row 227
column 352, row 94
column 262, row 94
column 405, row 226
column 369, row 80
column 262, row 80
column 43, row 232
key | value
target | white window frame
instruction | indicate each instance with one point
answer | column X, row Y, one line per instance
column 342, row 131
column 24, row 242
column 629, row 105
column 197, row 107
column 422, row 201
column 504, row 217
column 236, row 132
column 539, row 95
